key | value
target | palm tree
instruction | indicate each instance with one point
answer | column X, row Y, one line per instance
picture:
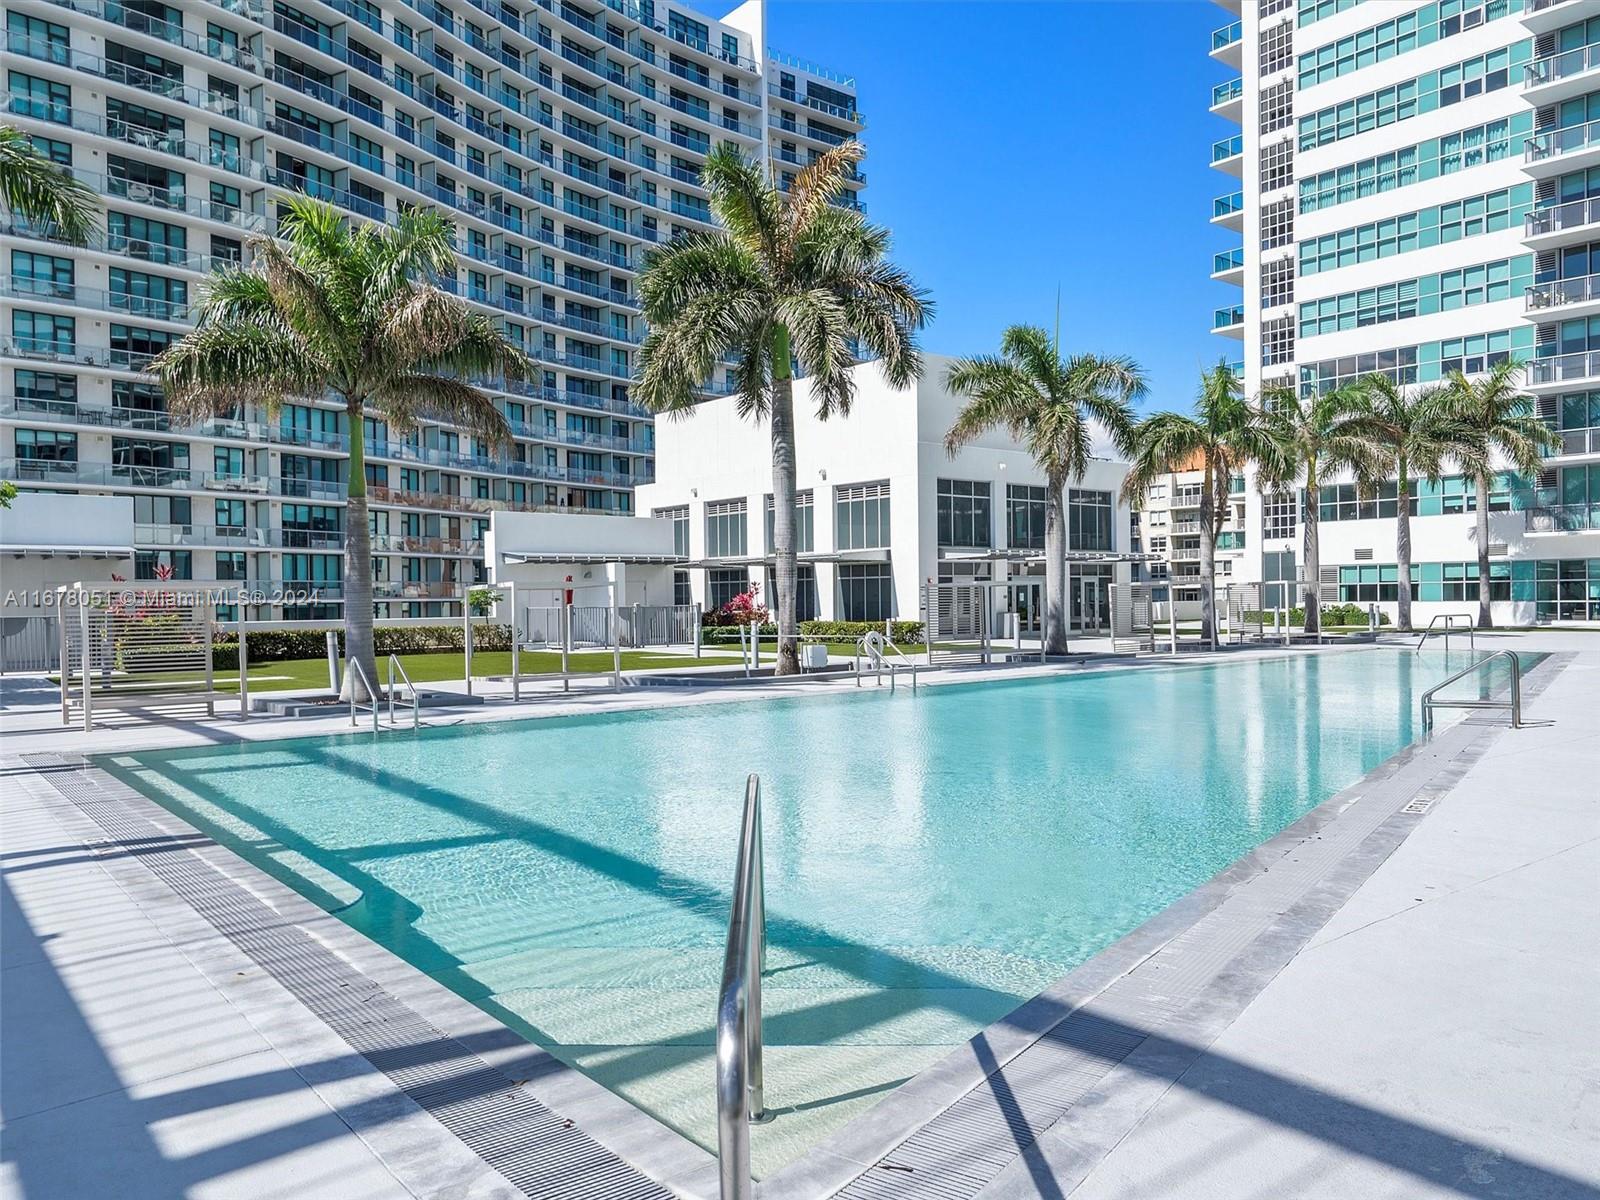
column 1412, row 434
column 1503, row 432
column 1049, row 404
column 1315, row 439
column 329, row 308
column 1223, row 434
column 38, row 190
column 787, row 278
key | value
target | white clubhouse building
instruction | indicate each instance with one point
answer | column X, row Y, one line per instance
column 885, row 510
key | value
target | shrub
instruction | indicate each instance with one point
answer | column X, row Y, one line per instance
column 281, row 645
column 849, row 631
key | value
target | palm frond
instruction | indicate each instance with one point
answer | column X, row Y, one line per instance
column 1163, row 443
column 680, row 355
column 237, row 360
column 816, row 188
column 406, row 398
column 42, row 192
column 692, row 266
column 748, row 207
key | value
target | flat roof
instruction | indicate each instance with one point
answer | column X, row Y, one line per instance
column 812, row 556
column 1037, row 556
column 559, row 558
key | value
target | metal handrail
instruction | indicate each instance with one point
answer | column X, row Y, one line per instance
column 354, row 664
column 1514, row 704
column 1449, row 620
column 416, row 700
column 740, row 1094
column 873, row 644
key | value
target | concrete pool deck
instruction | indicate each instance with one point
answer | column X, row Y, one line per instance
column 1367, row 1033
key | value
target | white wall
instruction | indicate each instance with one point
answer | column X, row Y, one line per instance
column 890, row 435
column 38, row 521
column 583, row 535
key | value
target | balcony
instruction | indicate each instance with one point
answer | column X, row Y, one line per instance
column 1562, row 518
column 1561, row 76
column 1228, row 211
column 1229, row 322
column 1565, row 297
column 248, row 537
column 1229, row 266
column 1228, row 155
column 1578, row 220
column 1576, row 442
column 1561, row 150
column 1563, row 370
column 1546, row 16
column 1227, row 100
column 1227, row 45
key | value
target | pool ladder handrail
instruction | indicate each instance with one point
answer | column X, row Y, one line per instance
column 873, row 646
column 354, row 664
column 1449, row 620
column 740, row 1092
column 1514, row 703
column 415, row 701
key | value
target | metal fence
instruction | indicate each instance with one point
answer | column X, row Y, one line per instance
column 31, row 642
column 639, row 625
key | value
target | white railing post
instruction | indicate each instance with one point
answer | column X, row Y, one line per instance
column 88, row 681
column 244, row 670
column 332, row 643
column 694, row 613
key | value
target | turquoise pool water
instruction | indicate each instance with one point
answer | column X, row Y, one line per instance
column 933, row 859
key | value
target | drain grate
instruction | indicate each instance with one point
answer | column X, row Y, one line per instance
column 536, row 1150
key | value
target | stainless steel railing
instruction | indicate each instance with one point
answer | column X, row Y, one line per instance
column 416, row 700
column 740, row 1095
column 875, row 647
column 354, row 664
column 1450, row 623
column 1514, row 702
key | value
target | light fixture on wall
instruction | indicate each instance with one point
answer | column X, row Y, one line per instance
column 822, row 473
column 694, row 492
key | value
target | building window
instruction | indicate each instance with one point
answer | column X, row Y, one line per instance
column 725, row 529
column 805, row 592
column 1277, row 48
column 866, row 591
column 1277, row 107
column 682, row 593
column 47, row 445
column 964, row 516
column 680, row 530
column 169, row 564
column 861, row 516
column 1277, row 283
column 1277, row 224
column 805, row 527
column 1025, row 516
column 1089, row 520
column 1277, row 342
column 1279, row 515
column 1277, row 166
column 723, row 584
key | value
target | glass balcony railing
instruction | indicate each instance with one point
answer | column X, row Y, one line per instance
column 1226, row 36
column 1561, row 141
column 1228, row 260
column 1237, row 368
column 1566, row 65
column 1564, row 368
column 1562, row 518
column 1228, row 148
column 1557, row 218
column 1225, row 92
column 1226, row 318
column 1558, row 293
column 1226, row 206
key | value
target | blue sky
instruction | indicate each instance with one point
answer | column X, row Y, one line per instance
column 1013, row 147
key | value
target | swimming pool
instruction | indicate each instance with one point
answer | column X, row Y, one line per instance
column 933, row 858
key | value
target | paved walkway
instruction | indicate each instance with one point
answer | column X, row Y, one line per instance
column 1437, row 1038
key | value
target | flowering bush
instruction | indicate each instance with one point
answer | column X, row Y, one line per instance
column 744, row 609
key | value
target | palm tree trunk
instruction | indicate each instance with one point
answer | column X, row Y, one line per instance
column 1055, row 567
column 359, row 645
column 1485, row 618
column 1311, row 588
column 1208, row 560
column 784, row 517
column 1402, row 549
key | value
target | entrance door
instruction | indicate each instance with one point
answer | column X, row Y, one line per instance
column 1092, row 604
column 1027, row 601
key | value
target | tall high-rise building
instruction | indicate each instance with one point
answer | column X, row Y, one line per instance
column 1416, row 189
column 563, row 140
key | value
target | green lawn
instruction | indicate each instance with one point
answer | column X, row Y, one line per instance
column 303, row 673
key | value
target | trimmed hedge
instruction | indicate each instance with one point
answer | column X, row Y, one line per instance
column 1333, row 614
column 281, row 645
column 835, row 631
